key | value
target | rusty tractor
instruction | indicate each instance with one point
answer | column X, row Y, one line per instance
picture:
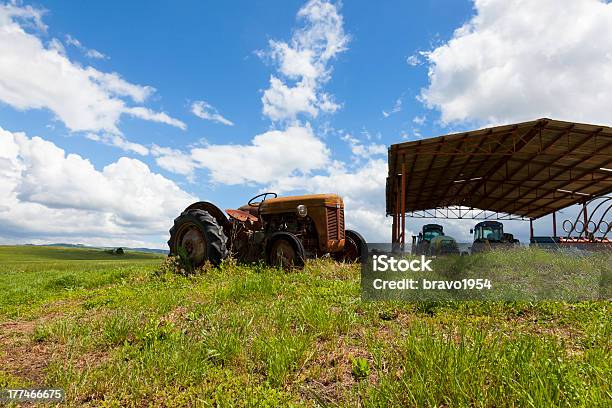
column 283, row 231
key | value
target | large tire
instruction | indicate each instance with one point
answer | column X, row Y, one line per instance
column 285, row 250
column 200, row 235
column 355, row 248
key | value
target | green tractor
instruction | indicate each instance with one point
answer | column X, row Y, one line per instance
column 432, row 241
column 282, row 231
column 490, row 235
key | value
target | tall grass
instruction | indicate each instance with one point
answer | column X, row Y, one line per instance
column 131, row 334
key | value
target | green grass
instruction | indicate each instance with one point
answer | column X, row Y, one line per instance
column 122, row 331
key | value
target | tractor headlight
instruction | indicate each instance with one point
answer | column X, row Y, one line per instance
column 302, row 210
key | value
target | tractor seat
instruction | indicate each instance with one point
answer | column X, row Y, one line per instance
column 241, row 215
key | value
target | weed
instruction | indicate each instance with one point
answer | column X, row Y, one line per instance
column 360, row 368
column 41, row 334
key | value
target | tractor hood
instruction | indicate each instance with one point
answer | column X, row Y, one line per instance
column 442, row 239
column 289, row 203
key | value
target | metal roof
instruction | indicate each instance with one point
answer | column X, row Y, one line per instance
column 528, row 169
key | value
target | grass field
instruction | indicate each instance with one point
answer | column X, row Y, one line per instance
column 124, row 331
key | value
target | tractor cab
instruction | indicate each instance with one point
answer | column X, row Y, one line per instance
column 430, row 231
column 488, row 231
column 489, row 235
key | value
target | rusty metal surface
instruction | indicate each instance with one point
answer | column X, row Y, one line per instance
column 289, row 203
column 596, row 221
column 241, row 215
column 194, row 243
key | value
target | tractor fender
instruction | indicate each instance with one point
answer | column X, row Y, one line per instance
column 212, row 210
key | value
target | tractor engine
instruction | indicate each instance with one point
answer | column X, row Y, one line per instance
column 302, row 227
column 317, row 220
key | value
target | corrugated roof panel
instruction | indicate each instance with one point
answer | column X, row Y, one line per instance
column 527, row 169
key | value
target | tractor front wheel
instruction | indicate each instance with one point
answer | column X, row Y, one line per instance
column 197, row 235
column 355, row 248
column 286, row 251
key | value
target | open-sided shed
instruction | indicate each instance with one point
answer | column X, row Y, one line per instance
column 524, row 170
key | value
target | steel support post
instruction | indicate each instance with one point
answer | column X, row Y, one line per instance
column 403, row 204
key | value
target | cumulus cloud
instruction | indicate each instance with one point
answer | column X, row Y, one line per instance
column 303, row 64
column 48, row 194
column 38, row 76
column 204, row 110
column 174, row 160
column 361, row 150
column 518, row 60
column 273, row 154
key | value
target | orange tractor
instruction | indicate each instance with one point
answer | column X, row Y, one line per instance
column 283, row 231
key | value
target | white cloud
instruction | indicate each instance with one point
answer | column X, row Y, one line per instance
column 57, row 45
column 270, row 155
column 89, row 52
column 49, row 195
column 28, row 15
column 364, row 151
column 204, row 110
column 518, row 60
column 304, row 61
column 174, row 160
column 397, row 107
column 114, row 85
column 95, row 54
column 326, row 103
column 419, row 120
column 273, row 154
column 414, row 60
column 281, row 101
column 161, row 117
column 35, row 76
column 120, row 142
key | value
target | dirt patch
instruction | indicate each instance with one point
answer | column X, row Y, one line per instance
column 92, row 360
column 175, row 316
column 20, row 356
column 328, row 377
column 27, row 361
column 10, row 329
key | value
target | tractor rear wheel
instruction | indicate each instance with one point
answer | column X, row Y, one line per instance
column 286, row 251
column 200, row 236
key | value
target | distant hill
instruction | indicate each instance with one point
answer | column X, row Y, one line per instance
column 55, row 253
column 61, row 244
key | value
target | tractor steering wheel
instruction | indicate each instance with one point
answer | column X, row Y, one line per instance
column 264, row 195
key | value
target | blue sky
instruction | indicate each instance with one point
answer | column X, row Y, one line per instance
column 118, row 83
column 207, row 51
